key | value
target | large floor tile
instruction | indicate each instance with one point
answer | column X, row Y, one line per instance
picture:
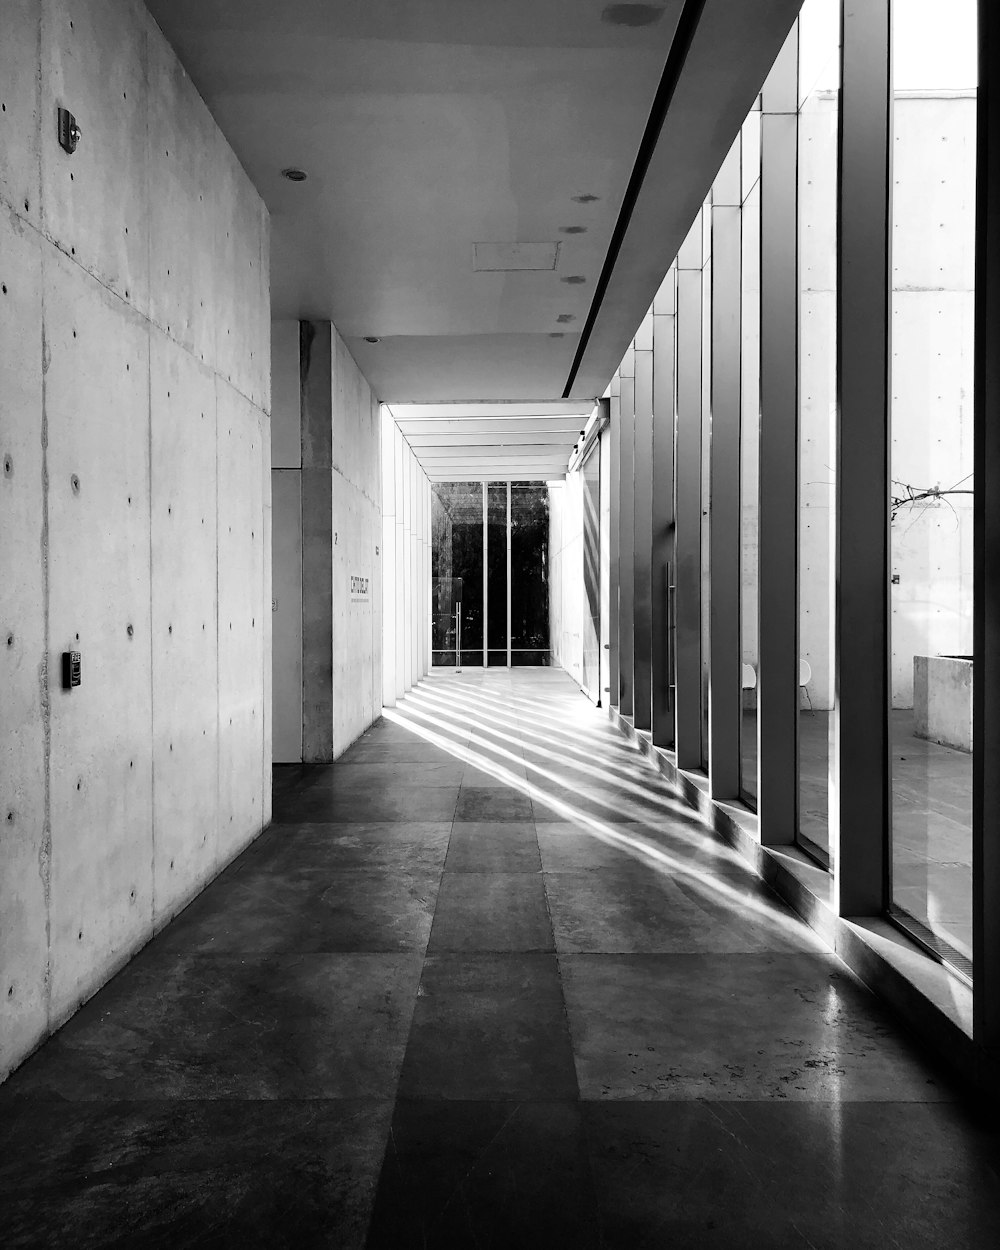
column 489, row 1027
column 167, row 1174
column 677, row 846
column 417, row 751
column 493, row 846
column 432, row 803
column 763, row 1175
column 638, row 907
column 388, row 845
column 493, row 774
column 309, row 910
column 303, row 1026
column 491, row 911
column 483, row 803
column 732, row 1027
column 391, row 775
column 485, row 1174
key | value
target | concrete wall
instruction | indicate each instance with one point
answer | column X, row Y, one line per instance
column 286, row 496
column 566, row 584
column 406, row 561
column 357, row 539
column 134, row 503
column 327, row 488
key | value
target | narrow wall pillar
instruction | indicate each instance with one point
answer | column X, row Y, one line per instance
column 778, row 479
column 724, row 692
column 626, row 535
column 642, row 700
column 662, row 518
column 388, row 559
column 687, row 611
column 859, row 798
column 986, row 505
column 316, row 412
column 614, row 540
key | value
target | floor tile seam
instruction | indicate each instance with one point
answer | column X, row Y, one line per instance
column 28, row 1100
column 562, row 992
column 389, row 1143
column 773, row 1101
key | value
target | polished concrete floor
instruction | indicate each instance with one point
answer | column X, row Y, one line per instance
column 487, row 983
column 931, row 821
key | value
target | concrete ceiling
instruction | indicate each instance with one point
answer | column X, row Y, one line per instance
column 428, row 127
column 476, row 442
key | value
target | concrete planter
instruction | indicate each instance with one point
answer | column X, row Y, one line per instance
column 942, row 699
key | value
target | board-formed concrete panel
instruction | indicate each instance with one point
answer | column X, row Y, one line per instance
column 184, row 645
column 267, row 744
column 95, row 202
column 286, row 418
column 358, row 526
column 98, row 553
column 183, row 149
column 356, row 429
column 96, row 406
column 23, row 711
column 286, row 488
column 241, row 618
column 242, row 323
column 20, row 136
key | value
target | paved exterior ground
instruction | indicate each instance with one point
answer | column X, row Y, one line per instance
column 486, row 982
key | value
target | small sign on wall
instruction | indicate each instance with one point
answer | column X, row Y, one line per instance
column 359, row 588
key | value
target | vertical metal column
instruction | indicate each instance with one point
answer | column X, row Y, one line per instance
column 486, row 580
column 859, row 798
column 510, row 588
column 778, row 481
column 642, row 697
column 986, row 511
column 626, row 535
column 724, row 686
column 401, row 449
column 662, row 517
column 687, row 458
column 614, row 532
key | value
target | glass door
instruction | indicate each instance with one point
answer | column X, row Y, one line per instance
column 457, row 573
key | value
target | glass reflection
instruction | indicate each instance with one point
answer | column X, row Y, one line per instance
column 496, row 573
column 529, row 575
column 457, row 572
column 931, row 529
column 749, row 450
column 819, row 111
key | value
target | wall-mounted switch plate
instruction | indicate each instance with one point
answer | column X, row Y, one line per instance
column 70, row 669
column 69, row 132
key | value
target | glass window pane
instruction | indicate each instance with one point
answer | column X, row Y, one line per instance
column 819, row 109
column 457, row 571
column 591, row 624
column 529, row 577
column 749, row 454
column 496, row 573
column 933, row 253
column 706, row 443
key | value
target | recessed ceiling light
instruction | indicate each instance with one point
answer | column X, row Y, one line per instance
column 371, row 338
column 294, row 175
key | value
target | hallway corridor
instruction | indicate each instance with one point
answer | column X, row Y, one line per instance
column 487, row 982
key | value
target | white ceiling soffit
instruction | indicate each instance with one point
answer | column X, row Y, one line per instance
column 453, row 133
column 471, row 442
